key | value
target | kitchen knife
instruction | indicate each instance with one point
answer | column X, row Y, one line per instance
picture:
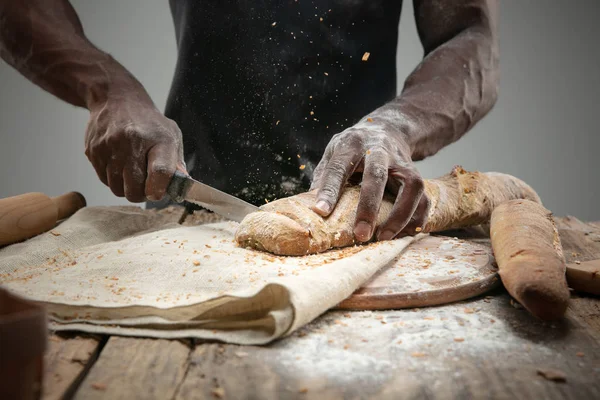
column 182, row 187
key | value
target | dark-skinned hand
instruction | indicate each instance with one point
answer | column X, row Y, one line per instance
column 134, row 148
column 382, row 157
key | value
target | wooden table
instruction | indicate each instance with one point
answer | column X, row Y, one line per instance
column 487, row 347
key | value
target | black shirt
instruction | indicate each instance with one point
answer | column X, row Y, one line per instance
column 261, row 85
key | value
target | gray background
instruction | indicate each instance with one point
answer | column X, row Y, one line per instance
column 543, row 128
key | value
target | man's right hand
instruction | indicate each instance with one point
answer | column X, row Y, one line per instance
column 134, row 148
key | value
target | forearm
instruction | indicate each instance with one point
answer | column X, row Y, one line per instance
column 447, row 94
column 44, row 41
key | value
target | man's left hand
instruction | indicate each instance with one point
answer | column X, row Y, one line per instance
column 383, row 156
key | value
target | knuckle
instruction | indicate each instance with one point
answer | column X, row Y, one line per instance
column 377, row 172
column 160, row 169
column 336, row 168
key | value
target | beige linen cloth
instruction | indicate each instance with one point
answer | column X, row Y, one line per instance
column 123, row 271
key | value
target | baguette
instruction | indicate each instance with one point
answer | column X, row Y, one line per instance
column 459, row 199
column 530, row 258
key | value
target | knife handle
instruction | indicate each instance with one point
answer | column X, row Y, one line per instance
column 178, row 186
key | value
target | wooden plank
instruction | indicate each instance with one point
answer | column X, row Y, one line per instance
column 65, row 362
column 131, row 368
column 484, row 348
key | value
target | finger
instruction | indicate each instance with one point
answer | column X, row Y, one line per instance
column 406, row 203
column 335, row 174
column 318, row 172
column 134, row 179
column 162, row 162
column 418, row 220
column 99, row 166
column 374, row 178
column 114, row 176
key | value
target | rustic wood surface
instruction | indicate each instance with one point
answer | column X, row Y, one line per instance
column 65, row 362
column 487, row 347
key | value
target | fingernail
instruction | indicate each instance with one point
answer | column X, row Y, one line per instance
column 362, row 231
column 386, row 235
column 322, row 207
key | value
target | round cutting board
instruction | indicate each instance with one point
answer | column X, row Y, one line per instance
column 432, row 271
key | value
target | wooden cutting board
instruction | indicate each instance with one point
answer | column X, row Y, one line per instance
column 435, row 270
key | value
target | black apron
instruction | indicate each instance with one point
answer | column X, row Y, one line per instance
column 260, row 87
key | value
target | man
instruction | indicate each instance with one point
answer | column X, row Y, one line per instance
column 272, row 97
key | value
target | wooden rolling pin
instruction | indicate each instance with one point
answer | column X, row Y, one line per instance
column 28, row 215
column 530, row 258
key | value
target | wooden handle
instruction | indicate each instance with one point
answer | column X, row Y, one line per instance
column 529, row 254
column 68, row 204
column 28, row 215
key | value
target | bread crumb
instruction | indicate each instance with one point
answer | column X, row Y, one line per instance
column 98, row 386
column 459, row 339
column 302, row 167
column 552, row 374
column 469, row 311
column 196, row 262
column 417, row 354
column 369, row 119
column 219, row 392
column 366, row 56
column 580, row 354
column 303, row 390
column 55, row 233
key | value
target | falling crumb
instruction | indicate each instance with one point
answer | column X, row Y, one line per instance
column 298, row 155
column 55, row 233
column 277, row 123
column 579, row 354
column 459, row 339
column 311, row 113
column 326, row 74
column 302, row 167
column 366, row 56
column 98, row 386
column 219, row 392
column 552, row 374
column 274, row 23
column 321, row 19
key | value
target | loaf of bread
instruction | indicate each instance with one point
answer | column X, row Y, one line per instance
column 459, row 199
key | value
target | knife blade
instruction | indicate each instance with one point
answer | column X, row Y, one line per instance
column 183, row 187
